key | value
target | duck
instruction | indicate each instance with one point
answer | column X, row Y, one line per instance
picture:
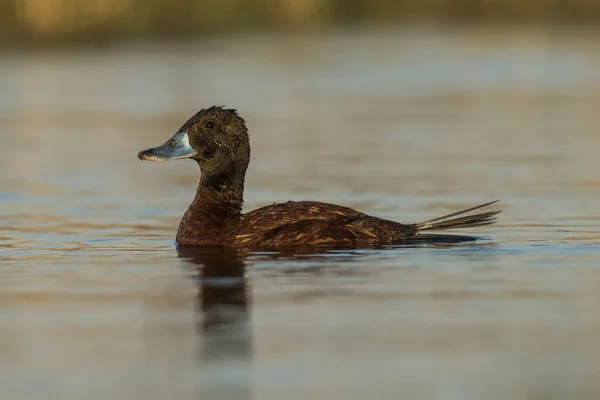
column 217, row 139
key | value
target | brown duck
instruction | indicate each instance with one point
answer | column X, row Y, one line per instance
column 217, row 139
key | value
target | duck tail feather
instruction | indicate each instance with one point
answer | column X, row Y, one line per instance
column 468, row 221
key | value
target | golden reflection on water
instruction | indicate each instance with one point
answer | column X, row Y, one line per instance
column 95, row 302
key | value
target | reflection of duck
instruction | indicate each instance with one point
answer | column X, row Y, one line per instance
column 222, row 300
column 217, row 139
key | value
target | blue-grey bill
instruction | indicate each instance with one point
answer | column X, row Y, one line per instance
column 173, row 149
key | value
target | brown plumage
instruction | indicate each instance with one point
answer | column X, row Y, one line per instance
column 217, row 139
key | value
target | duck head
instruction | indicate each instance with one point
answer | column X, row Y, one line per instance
column 217, row 138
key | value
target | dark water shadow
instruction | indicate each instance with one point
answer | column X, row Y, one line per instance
column 224, row 322
column 224, row 300
column 358, row 253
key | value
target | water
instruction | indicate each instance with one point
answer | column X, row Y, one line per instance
column 95, row 301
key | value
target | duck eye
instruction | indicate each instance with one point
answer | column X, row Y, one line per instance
column 209, row 125
column 171, row 143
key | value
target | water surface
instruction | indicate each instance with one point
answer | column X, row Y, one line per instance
column 96, row 303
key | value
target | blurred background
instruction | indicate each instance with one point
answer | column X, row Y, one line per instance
column 100, row 21
column 403, row 109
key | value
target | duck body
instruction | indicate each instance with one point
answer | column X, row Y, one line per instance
column 303, row 223
column 217, row 139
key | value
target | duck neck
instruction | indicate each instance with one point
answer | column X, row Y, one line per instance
column 221, row 191
column 215, row 209
column 217, row 199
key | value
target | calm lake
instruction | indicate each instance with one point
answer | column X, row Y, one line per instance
column 96, row 302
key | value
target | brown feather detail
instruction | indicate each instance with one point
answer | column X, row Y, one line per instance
column 309, row 223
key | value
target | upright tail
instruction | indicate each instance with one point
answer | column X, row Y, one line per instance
column 469, row 221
